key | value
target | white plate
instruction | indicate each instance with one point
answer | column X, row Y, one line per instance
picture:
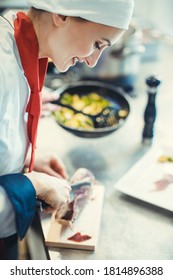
column 140, row 180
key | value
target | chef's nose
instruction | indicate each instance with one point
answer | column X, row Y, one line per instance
column 93, row 59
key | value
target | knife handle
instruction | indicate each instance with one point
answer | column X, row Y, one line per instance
column 41, row 205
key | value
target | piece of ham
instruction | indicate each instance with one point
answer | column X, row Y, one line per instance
column 78, row 237
column 163, row 183
column 82, row 182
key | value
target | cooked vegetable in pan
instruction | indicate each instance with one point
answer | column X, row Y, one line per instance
column 68, row 118
column 91, row 104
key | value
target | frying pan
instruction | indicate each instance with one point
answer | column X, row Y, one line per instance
column 105, row 90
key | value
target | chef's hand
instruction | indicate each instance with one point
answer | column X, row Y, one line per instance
column 49, row 164
column 52, row 190
column 47, row 98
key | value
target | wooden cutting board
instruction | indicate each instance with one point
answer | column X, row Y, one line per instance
column 87, row 223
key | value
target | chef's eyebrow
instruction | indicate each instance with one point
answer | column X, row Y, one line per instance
column 108, row 41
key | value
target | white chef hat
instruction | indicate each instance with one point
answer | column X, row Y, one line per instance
column 116, row 13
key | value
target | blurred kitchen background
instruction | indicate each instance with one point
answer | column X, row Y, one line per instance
column 150, row 30
column 145, row 49
column 144, row 42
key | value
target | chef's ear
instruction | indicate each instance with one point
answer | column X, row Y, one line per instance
column 59, row 20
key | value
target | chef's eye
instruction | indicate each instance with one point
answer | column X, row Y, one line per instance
column 97, row 46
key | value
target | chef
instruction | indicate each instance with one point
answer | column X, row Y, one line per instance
column 65, row 31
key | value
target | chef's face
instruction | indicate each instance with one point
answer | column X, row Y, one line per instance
column 78, row 40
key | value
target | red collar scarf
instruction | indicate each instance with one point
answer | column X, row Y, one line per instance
column 35, row 71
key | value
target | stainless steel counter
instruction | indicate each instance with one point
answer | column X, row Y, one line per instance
column 130, row 229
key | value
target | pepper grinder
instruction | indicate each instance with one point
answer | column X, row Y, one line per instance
column 150, row 110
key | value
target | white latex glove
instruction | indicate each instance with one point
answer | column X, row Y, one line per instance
column 52, row 190
column 48, row 163
column 52, row 165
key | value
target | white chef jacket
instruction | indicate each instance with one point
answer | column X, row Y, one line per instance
column 14, row 95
